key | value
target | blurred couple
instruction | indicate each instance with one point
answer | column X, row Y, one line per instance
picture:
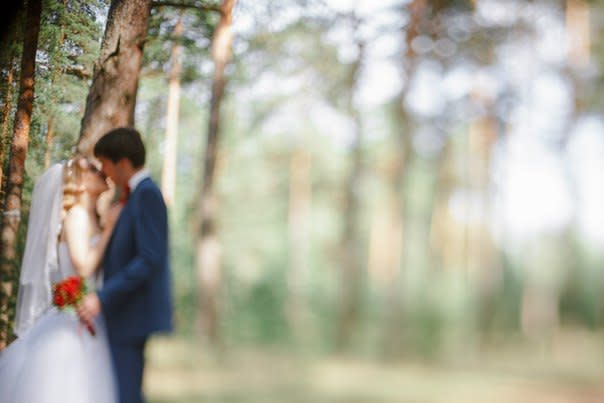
column 121, row 250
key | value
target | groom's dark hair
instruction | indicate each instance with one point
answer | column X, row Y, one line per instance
column 123, row 142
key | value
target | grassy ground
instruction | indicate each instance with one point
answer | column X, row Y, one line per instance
column 569, row 369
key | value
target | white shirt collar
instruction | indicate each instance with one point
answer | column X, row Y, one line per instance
column 137, row 178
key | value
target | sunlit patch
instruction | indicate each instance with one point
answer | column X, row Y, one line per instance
column 424, row 96
column 533, row 192
column 585, row 153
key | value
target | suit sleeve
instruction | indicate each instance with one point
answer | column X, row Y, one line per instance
column 151, row 244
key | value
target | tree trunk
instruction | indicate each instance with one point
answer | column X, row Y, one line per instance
column 16, row 173
column 395, row 231
column 53, row 100
column 541, row 299
column 49, row 141
column 112, row 96
column 481, row 254
column 300, row 196
column 483, row 264
column 6, row 110
column 168, row 177
column 394, row 317
column 351, row 271
column 9, row 58
column 578, row 29
column 385, row 240
column 208, row 246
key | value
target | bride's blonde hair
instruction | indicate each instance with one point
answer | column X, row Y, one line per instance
column 72, row 181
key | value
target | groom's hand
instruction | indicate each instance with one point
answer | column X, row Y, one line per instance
column 89, row 308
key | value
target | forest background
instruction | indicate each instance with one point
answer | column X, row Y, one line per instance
column 403, row 192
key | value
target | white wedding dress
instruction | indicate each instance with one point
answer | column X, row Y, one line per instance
column 56, row 359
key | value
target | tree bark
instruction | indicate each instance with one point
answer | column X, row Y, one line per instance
column 168, row 177
column 112, row 96
column 16, row 173
column 208, row 246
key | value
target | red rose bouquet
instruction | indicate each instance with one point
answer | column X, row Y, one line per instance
column 68, row 293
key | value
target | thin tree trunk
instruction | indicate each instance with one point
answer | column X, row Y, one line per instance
column 8, row 100
column 385, row 241
column 540, row 300
column 300, row 196
column 54, row 78
column 442, row 228
column 578, row 28
column 352, row 266
column 168, row 177
column 351, row 271
column 484, row 267
column 6, row 110
column 112, row 96
column 16, row 174
column 9, row 64
column 395, row 315
column 396, row 231
column 49, row 141
column 481, row 256
column 208, row 247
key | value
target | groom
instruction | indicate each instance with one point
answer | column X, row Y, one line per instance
column 135, row 297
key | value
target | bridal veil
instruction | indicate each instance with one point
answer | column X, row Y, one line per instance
column 40, row 259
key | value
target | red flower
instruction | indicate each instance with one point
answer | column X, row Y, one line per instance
column 58, row 300
column 69, row 293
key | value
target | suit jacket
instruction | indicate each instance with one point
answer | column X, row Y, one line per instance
column 136, row 292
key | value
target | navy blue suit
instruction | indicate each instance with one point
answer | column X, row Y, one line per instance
column 135, row 297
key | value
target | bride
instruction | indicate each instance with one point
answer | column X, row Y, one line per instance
column 55, row 359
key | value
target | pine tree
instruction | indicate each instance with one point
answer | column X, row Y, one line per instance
column 16, row 173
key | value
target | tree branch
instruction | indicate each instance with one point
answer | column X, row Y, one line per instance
column 77, row 71
column 198, row 6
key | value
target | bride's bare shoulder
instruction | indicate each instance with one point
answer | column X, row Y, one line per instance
column 76, row 218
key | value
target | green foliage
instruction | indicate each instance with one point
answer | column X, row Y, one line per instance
column 581, row 300
column 196, row 39
column 255, row 313
column 68, row 46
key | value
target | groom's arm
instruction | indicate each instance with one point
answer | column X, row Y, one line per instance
column 151, row 232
